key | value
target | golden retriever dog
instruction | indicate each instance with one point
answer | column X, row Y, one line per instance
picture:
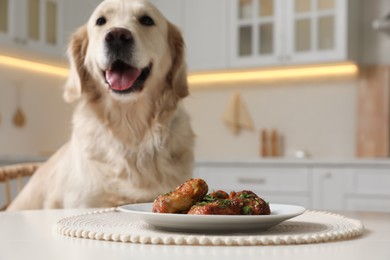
column 131, row 138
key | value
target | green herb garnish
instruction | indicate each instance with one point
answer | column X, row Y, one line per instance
column 208, row 198
column 203, row 203
column 247, row 210
column 224, row 202
column 245, row 196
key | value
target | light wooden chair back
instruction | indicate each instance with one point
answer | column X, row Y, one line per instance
column 14, row 173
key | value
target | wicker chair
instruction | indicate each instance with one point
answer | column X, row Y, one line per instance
column 14, row 173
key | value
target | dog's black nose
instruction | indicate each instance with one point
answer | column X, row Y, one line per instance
column 119, row 37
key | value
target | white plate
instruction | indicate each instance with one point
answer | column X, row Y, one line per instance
column 213, row 223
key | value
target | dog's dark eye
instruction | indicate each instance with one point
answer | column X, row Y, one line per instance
column 146, row 20
column 101, row 21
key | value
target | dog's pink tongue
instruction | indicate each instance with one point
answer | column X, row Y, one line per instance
column 122, row 79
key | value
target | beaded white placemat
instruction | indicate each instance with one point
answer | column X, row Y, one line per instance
column 114, row 225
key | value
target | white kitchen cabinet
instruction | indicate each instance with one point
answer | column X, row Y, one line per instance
column 5, row 10
column 281, row 184
column 7, row 21
column 368, row 189
column 320, row 30
column 203, row 24
column 32, row 25
column 205, row 34
column 171, row 9
column 352, row 187
column 278, row 32
column 366, row 203
column 328, row 188
column 77, row 14
column 318, row 185
column 256, row 34
column 253, row 33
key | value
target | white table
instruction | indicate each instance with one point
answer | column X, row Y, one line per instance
column 30, row 235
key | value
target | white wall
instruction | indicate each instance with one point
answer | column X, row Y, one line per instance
column 48, row 117
column 317, row 117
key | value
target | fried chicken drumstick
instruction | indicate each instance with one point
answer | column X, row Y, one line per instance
column 182, row 198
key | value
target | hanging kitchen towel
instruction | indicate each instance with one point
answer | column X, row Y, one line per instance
column 236, row 115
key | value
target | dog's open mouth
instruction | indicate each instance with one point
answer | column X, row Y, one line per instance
column 123, row 78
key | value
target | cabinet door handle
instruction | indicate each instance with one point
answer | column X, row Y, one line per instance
column 20, row 41
column 243, row 180
column 327, row 175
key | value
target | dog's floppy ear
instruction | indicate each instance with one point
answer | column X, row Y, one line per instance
column 77, row 75
column 177, row 76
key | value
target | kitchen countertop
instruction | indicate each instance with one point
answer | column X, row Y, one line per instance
column 30, row 235
column 296, row 162
column 5, row 160
column 8, row 160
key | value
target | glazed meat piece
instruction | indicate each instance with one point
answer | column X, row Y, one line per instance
column 215, row 195
column 218, row 207
column 237, row 203
column 215, row 203
column 182, row 198
column 251, row 203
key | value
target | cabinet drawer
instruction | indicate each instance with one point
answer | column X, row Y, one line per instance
column 291, row 199
column 369, row 181
column 255, row 178
column 368, row 204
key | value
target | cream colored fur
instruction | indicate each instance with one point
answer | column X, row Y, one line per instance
column 124, row 148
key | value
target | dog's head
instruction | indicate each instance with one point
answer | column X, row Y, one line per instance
column 126, row 50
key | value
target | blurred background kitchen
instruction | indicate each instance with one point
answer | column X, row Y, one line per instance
column 288, row 98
